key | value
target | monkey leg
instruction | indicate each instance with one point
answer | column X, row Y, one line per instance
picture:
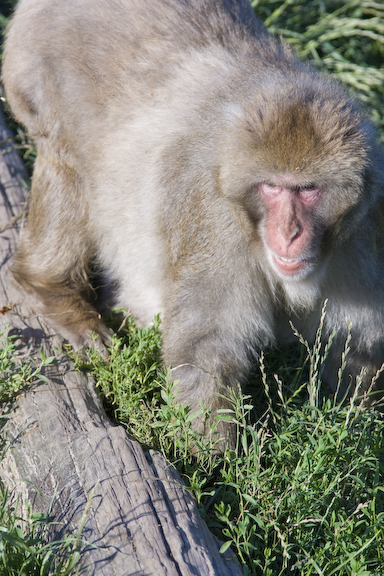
column 206, row 371
column 197, row 388
column 55, row 250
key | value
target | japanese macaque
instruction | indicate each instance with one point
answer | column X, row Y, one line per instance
column 207, row 174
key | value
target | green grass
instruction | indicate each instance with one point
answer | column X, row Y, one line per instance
column 26, row 548
column 302, row 493
column 17, row 372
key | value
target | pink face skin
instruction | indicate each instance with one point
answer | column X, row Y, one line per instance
column 289, row 231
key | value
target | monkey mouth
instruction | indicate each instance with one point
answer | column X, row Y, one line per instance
column 291, row 266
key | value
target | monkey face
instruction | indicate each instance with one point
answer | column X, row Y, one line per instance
column 289, row 232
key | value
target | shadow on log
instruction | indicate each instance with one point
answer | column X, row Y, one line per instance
column 65, row 453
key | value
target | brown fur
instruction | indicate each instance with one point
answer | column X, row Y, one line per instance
column 206, row 172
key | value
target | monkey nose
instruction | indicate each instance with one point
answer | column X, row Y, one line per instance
column 295, row 233
column 290, row 233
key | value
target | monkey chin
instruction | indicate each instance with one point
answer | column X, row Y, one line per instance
column 303, row 288
column 300, row 279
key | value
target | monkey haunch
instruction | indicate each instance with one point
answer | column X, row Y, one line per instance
column 209, row 174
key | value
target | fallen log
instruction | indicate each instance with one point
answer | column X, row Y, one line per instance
column 65, row 455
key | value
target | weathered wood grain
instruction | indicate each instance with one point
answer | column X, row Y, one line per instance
column 65, row 453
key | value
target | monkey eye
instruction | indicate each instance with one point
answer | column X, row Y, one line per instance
column 308, row 188
column 270, row 189
column 309, row 193
column 304, row 187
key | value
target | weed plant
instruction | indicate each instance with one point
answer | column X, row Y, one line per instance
column 16, row 371
column 301, row 494
column 25, row 546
